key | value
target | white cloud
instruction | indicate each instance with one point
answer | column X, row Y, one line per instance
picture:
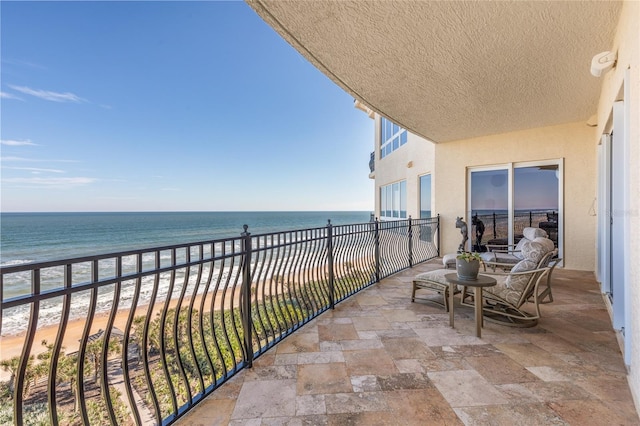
column 38, row 181
column 48, row 95
column 35, row 160
column 35, row 169
column 14, row 159
column 5, row 95
column 10, row 142
column 23, row 63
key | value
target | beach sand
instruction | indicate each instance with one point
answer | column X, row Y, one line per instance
column 11, row 346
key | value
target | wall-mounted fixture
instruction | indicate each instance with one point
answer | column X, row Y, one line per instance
column 603, row 62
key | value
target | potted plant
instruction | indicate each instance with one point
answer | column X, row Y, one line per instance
column 468, row 265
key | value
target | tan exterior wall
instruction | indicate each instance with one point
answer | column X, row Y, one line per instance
column 409, row 162
column 627, row 44
column 571, row 142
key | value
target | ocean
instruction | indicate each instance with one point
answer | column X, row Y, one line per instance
column 39, row 237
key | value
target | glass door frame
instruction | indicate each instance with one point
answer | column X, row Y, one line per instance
column 510, row 167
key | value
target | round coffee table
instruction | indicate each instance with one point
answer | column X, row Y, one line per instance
column 477, row 284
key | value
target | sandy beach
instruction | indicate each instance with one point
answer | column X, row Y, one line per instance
column 11, row 346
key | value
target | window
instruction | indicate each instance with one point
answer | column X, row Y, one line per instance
column 425, row 196
column 392, row 137
column 393, row 201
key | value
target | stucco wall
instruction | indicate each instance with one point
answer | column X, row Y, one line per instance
column 627, row 44
column 409, row 162
column 572, row 142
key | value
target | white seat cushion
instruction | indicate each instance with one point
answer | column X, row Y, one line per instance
column 449, row 260
column 436, row 276
column 533, row 233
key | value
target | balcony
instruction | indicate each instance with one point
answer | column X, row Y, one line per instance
column 380, row 359
column 143, row 336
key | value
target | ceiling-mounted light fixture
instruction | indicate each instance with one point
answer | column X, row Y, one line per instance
column 603, row 62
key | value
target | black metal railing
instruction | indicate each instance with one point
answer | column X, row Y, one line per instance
column 372, row 162
column 142, row 336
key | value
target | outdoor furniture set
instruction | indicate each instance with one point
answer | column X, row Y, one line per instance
column 526, row 268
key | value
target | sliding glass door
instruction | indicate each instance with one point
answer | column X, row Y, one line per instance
column 489, row 201
column 503, row 200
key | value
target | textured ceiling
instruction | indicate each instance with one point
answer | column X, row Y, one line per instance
column 454, row 70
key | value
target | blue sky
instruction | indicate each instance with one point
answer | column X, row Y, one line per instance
column 534, row 189
column 170, row 106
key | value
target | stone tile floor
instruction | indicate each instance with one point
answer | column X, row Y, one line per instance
column 378, row 359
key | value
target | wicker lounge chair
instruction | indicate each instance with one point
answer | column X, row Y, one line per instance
column 504, row 302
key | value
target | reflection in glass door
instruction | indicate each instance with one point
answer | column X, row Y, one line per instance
column 489, row 208
column 505, row 200
column 535, row 199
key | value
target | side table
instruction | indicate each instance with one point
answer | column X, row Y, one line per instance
column 478, row 284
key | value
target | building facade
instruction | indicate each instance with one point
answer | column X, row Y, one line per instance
column 503, row 91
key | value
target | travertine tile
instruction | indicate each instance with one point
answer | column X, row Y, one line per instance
column 310, row 404
column 445, row 364
column 246, row 422
column 557, row 391
column 320, row 357
column 370, row 418
column 335, row 332
column 265, row 360
column 322, row 379
column 399, row 331
column 265, row 398
column 369, row 335
column 420, row 407
column 446, row 337
column 468, row 351
column 229, row 390
column 366, row 298
column 355, row 402
column 521, row 415
column 606, row 389
column 371, row 323
column 404, row 315
column 301, row 342
column 518, row 394
column 276, row 372
column 553, row 343
column 590, row 412
column 404, row 381
column 464, row 388
column 500, row 369
column 286, row 359
column 330, row 346
column 369, row 361
column 210, row 412
column 409, row 366
column 356, row 345
column 367, row 383
column 548, row 374
column 529, row 355
column 406, row 348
